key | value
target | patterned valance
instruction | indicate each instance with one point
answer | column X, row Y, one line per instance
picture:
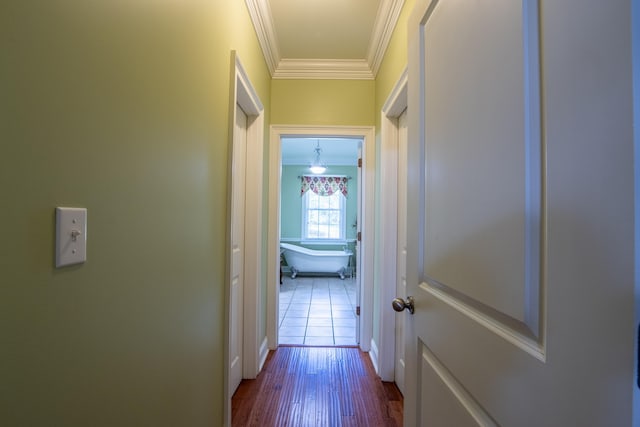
column 324, row 185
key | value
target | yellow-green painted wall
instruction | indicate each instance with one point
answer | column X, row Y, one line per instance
column 120, row 107
column 393, row 65
column 394, row 62
column 323, row 102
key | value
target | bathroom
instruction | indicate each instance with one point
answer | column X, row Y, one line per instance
column 318, row 227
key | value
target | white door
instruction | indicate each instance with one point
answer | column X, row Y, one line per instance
column 239, row 160
column 520, row 216
column 401, row 257
column 358, row 245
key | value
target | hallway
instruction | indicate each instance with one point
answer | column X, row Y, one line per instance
column 317, row 311
column 315, row 387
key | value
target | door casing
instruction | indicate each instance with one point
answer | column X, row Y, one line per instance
column 382, row 346
column 254, row 346
column 273, row 254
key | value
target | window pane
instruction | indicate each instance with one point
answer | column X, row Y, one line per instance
column 313, row 200
column 313, row 217
column 324, row 202
column 334, row 218
column 323, row 217
column 335, row 201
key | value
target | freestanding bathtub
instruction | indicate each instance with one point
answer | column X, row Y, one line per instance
column 303, row 260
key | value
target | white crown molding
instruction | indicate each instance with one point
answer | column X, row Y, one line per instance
column 260, row 14
column 386, row 20
column 323, row 69
column 357, row 69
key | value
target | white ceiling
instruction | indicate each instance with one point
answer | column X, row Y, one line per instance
column 324, row 39
column 335, row 151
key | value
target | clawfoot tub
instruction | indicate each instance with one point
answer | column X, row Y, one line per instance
column 303, row 260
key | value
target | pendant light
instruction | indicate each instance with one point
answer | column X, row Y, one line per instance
column 317, row 167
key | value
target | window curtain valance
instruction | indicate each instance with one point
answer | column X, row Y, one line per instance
column 324, row 185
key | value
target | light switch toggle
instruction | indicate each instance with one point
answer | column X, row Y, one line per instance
column 71, row 236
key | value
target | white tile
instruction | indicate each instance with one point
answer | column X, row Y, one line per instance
column 323, row 314
column 320, row 307
column 342, row 331
column 320, row 321
column 343, row 314
column 320, row 331
column 318, row 341
column 294, row 312
column 294, row 321
column 345, row 322
column 292, row 331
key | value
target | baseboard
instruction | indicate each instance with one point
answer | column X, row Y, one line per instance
column 374, row 355
column 262, row 353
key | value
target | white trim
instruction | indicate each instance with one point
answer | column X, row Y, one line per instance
column 264, row 352
column 373, row 355
column 245, row 96
column 367, row 226
column 386, row 20
column 343, row 69
column 260, row 14
column 253, row 316
column 395, row 104
column 397, row 101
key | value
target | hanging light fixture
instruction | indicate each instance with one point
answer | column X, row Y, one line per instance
column 317, row 167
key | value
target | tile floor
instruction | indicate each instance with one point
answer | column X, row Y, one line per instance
column 318, row 311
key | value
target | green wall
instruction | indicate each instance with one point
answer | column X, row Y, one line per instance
column 323, row 102
column 291, row 202
column 122, row 108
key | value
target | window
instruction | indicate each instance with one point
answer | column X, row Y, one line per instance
column 323, row 217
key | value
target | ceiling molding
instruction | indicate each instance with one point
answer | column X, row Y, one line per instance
column 386, row 20
column 260, row 14
column 358, row 69
column 348, row 69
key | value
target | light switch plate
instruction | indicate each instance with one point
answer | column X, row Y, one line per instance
column 71, row 236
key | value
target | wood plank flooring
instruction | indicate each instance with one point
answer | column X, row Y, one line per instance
column 317, row 386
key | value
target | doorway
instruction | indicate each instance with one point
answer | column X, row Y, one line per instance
column 246, row 352
column 319, row 210
column 356, row 289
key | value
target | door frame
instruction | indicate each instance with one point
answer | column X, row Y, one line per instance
column 254, row 349
column 635, row 46
column 383, row 351
column 367, row 133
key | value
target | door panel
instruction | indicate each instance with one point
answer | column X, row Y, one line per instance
column 455, row 406
column 520, row 256
column 476, row 178
column 401, row 257
column 237, row 248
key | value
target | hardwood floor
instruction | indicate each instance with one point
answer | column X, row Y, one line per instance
column 317, row 386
